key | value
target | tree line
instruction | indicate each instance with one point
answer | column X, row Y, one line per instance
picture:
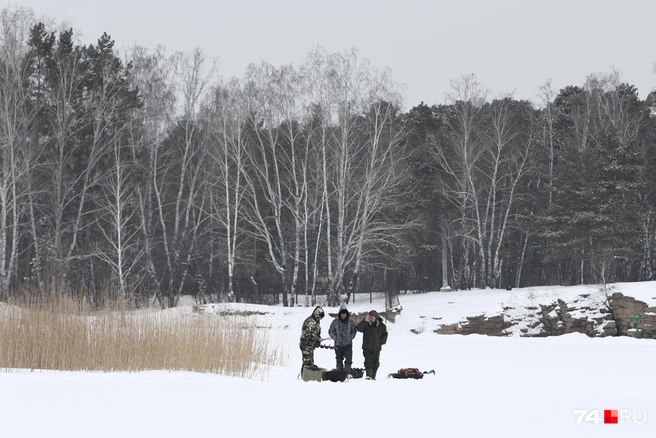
column 144, row 176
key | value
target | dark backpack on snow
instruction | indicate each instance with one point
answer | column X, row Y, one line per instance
column 357, row 373
column 334, row 375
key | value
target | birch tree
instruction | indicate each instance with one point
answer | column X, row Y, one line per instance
column 153, row 74
column 548, row 135
column 17, row 130
column 361, row 163
column 509, row 158
column 379, row 222
column 179, row 189
column 119, row 225
column 317, row 83
column 458, row 155
column 108, row 104
column 485, row 169
column 614, row 108
column 227, row 120
column 58, row 74
column 269, row 93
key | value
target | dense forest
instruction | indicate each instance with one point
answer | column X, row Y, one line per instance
column 142, row 176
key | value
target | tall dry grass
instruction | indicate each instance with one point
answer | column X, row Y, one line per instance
column 61, row 335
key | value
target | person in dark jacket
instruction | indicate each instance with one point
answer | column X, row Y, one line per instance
column 311, row 335
column 374, row 336
column 342, row 331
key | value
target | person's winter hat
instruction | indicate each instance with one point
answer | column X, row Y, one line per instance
column 373, row 313
column 318, row 312
column 343, row 311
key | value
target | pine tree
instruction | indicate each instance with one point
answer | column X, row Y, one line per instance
column 621, row 183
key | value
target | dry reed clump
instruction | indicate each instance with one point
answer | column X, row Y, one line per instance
column 59, row 335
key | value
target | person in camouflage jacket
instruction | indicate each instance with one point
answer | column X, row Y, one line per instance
column 311, row 335
column 342, row 330
column 374, row 336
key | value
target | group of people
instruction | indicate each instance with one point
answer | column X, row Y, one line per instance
column 342, row 331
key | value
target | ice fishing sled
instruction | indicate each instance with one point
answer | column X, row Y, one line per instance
column 410, row 373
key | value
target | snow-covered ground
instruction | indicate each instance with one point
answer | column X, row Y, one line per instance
column 483, row 386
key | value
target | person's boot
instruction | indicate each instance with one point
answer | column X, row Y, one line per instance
column 340, row 365
column 369, row 373
column 348, row 368
column 373, row 373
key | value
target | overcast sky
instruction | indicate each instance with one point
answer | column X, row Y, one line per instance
column 511, row 46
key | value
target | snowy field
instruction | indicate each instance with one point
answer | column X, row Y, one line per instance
column 483, row 386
